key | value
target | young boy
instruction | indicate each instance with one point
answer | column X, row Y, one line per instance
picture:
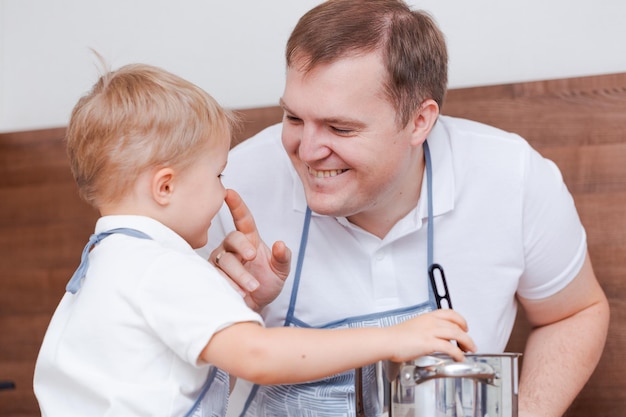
column 147, row 326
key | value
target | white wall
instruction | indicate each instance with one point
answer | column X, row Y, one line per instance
column 234, row 48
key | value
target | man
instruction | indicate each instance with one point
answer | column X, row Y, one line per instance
column 370, row 186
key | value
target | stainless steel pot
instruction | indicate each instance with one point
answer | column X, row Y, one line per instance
column 437, row 386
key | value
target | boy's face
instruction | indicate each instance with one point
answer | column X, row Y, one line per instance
column 199, row 193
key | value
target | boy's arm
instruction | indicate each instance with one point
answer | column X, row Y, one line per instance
column 284, row 355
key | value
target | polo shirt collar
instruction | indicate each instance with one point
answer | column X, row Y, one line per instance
column 443, row 173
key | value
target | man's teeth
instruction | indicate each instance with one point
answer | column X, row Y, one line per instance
column 326, row 174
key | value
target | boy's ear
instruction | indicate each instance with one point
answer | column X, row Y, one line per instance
column 162, row 185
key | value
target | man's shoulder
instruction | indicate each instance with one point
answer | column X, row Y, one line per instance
column 469, row 136
column 467, row 127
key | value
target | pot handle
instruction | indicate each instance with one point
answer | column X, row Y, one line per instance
column 415, row 374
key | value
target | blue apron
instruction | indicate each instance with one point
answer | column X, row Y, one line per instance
column 213, row 397
column 334, row 396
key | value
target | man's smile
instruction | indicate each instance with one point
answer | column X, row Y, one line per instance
column 326, row 173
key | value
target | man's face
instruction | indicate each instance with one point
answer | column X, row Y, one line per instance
column 341, row 135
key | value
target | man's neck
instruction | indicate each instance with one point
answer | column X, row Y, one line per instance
column 380, row 220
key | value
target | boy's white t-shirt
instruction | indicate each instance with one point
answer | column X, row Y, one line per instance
column 128, row 342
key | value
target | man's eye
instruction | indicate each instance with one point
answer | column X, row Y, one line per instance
column 343, row 132
column 292, row 119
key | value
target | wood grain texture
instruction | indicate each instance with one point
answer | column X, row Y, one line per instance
column 255, row 120
column 579, row 123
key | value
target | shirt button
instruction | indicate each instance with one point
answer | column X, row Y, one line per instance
column 380, row 256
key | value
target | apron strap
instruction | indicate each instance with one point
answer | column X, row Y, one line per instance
column 203, row 392
column 431, row 226
column 430, row 240
column 296, row 282
column 249, row 400
column 74, row 284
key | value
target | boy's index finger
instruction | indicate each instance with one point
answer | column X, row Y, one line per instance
column 242, row 217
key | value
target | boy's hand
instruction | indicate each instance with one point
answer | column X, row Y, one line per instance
column 256, row 271
column 435, row 331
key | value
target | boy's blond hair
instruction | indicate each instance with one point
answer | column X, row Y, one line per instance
column 136, row 118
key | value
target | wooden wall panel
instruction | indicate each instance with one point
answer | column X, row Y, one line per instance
column 255, row 120
column 42, row 225
column 579, row 123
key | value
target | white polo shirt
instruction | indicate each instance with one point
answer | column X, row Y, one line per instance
column 127, row 343
column 505, row 224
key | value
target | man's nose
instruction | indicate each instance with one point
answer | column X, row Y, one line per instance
column 314, row 144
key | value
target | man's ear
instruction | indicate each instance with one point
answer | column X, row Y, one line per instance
column 162, row 185
column 424, row 120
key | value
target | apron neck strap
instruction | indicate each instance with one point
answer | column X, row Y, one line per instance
column 430, row 236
